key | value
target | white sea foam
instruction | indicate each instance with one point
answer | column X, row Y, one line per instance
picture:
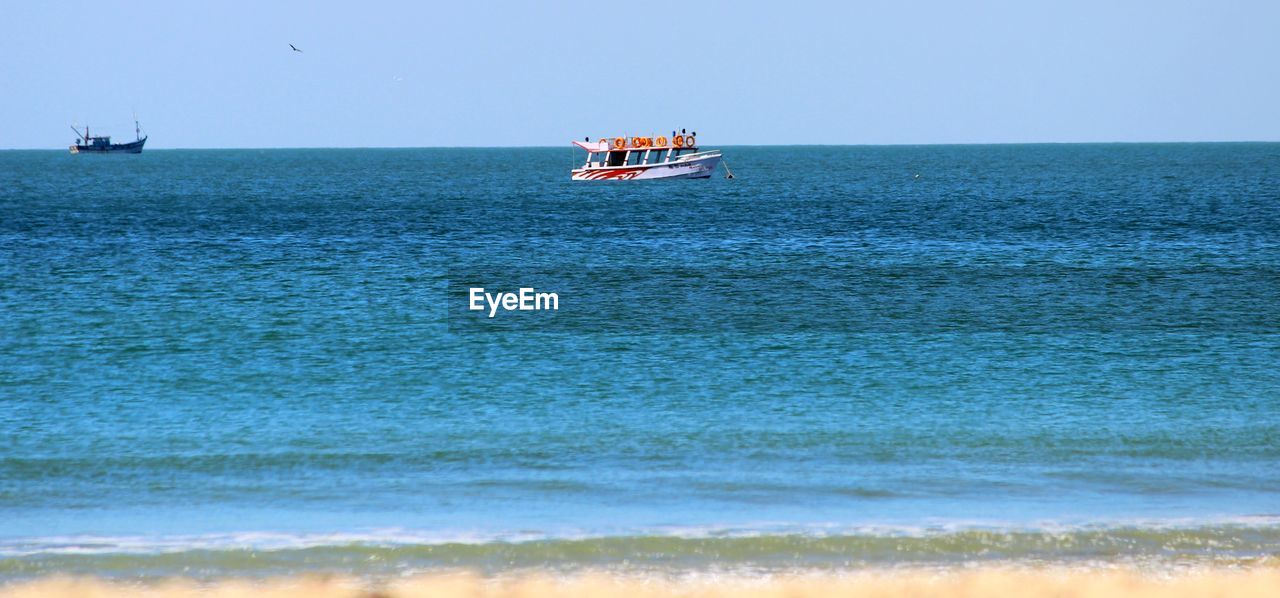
column 269, row 540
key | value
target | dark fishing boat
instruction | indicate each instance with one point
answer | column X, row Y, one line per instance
column 102, row 144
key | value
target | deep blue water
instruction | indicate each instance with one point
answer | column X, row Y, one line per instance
column 846, row 354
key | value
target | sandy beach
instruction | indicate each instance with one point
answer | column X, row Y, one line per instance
column 1257, row 580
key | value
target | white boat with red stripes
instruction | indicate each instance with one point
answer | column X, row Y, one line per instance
column 640, row 158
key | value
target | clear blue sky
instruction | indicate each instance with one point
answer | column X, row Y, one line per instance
column 407, row 73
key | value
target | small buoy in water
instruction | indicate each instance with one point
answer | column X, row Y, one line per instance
column 917, row 177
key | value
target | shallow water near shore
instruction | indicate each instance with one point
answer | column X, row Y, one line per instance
column 261, row 362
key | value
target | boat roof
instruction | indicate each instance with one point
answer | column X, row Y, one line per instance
column 605, row 146
column 593, row 146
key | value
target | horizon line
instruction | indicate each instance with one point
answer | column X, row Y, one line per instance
column 944, row 144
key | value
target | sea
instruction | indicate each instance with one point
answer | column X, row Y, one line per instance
column 248, row 363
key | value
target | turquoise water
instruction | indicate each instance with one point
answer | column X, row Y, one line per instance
column 249, row 361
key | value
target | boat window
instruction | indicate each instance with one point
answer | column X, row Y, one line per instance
column 634, row 158
column 656, row 156
column 616, row 158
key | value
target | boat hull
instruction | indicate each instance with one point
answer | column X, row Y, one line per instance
column 133, row 147
column 699, row 168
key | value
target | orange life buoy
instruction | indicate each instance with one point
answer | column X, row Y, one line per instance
column 678, row 141
column 619, row 142
column 660, row 142
column 689, row 141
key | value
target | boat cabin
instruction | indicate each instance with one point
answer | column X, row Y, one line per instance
column 637, row 151
column 636, row 156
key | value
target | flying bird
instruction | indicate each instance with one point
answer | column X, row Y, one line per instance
column 295, row 49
